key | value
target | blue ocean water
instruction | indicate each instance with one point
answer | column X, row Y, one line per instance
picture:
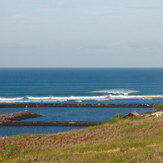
column 77, row 85
column 81, row 85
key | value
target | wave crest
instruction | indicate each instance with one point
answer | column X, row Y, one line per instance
column 116, row 91
column 79, row 99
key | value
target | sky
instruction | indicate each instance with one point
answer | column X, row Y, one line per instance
column 81, row 33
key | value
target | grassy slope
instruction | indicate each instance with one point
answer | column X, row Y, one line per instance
column 126, row 140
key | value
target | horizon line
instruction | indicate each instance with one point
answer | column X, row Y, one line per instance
column 76, row 67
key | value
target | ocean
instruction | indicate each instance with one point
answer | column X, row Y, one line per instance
column 77, row 85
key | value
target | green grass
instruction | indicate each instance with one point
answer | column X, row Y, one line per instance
column 158, row 107
column 115, row 119
column 8, row 151
column 118, row 140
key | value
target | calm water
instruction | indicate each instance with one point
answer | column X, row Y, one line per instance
column 77, row 86
column 63, row 114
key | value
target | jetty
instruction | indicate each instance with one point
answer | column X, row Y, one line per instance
column 17, row 116
column 49, row 123
column 25, row 105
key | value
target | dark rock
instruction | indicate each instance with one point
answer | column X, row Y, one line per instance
column 18, row 116
column 74, row 105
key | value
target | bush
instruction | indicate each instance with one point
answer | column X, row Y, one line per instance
column 158, row 107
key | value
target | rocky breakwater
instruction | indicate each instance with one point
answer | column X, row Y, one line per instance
column 49, row 123
column 22, row 115
column 75, row 105
column 14, row 118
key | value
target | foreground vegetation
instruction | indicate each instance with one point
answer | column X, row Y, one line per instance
column 118, row 140
column 158, row 107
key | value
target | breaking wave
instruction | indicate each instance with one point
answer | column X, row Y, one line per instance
column 116, row 91
column 79, row 99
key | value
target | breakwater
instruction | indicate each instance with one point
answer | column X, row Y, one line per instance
column 75, row 105
column 48, row 123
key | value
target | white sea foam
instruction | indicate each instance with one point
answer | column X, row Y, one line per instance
column 142, row 97
column 116, row 91
column 77, row 98
column 10, row 99
column 49, row 99
column 66, row 98
column 79, row 101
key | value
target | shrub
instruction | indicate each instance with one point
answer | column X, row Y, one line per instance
column 158, row 107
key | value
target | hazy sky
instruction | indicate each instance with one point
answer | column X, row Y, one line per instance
column 81, row 33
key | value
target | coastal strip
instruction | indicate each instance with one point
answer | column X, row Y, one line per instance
column 25, row 105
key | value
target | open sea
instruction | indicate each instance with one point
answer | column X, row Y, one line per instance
column 77, row 85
